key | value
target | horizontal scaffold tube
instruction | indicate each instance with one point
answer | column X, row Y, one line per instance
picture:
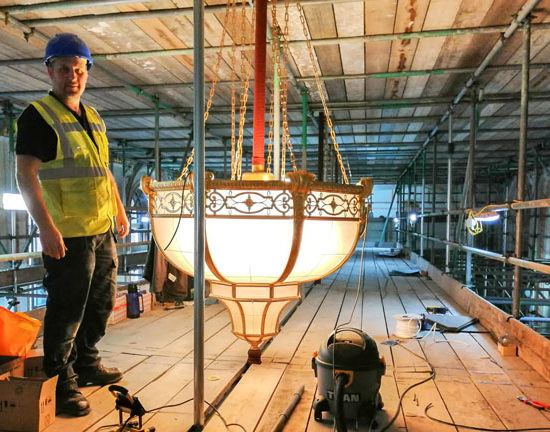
column 28, row 255
column 531, row 265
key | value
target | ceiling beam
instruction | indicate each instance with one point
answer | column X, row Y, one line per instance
column 228, row 48
column 383, row 75
column 518, row 19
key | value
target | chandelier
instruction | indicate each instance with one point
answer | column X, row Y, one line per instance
column 263, row 237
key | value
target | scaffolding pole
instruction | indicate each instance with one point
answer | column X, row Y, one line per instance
column 434, row 187
column 449, row 194
column 199, row 209
column 422, row 205
column 524, row 105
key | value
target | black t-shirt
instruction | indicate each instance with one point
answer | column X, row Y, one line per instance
column 36, row 138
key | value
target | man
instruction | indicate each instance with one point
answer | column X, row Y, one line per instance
column 64, row 177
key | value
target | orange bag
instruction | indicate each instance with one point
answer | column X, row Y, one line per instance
column 18, row 332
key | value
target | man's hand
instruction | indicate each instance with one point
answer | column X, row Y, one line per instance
column 122, row 224
column 52, row 243
column 27, row 180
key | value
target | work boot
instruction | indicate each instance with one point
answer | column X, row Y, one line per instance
column 99, row 375
column 71, row 402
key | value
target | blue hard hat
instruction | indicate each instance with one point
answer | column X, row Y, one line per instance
column 67, row 45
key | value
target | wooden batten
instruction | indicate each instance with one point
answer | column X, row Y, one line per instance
column 533, row 347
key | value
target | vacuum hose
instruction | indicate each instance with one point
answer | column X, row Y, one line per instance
column 340, row 383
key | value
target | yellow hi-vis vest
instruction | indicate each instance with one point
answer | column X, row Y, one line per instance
column 76, row 185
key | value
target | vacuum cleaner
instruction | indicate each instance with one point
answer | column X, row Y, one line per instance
column 349, row 373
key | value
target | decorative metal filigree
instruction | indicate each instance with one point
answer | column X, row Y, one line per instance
column 257, row 202
column 332, row 205
column 248, row 203
column 171, row 203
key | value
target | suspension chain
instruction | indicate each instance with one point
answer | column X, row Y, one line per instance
column 322, row 94
column 284, row 97
column 233, row 89
column 218, row 62
column 245, row 83
column 275, row 50
column 185, row 171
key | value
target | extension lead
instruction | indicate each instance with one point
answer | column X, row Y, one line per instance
column 407, row 326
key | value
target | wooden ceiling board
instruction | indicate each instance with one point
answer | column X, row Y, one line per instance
column 322, row 24
column 19, row 78
column 14, row 45
column 410, row 17
column 121, row 36
column 353, row 54
column 441, row 14
column 374, row 87
column 179, row 66
column 501, row 12
column 379, row 19
column 470, row 14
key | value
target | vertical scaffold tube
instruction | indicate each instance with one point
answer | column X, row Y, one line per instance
column 258, row 161
column 305, row 110
column 523, row 125
column 199, row 210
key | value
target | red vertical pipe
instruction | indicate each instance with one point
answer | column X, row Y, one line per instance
column 258, row 162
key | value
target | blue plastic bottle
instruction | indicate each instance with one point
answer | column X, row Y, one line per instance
column 134, row 302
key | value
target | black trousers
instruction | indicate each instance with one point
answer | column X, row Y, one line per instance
column 81, row 289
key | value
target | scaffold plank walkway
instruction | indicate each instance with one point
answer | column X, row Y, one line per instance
column 473, row 385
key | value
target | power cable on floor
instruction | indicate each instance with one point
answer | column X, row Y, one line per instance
column 400, row 403
column 430, row 405
column 227, row 425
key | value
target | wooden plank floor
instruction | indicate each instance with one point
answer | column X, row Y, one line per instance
column 473, row 386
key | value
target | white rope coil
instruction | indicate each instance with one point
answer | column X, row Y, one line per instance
column 407, row 325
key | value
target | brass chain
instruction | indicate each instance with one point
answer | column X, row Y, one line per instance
column 270, row 134
column 275, row 50
column 233, row 79
column 245, row 83
column 322, row 94
column 286, row 131
column 185, row 170
column 284, row 94
column 283, row 154
column 218, row 62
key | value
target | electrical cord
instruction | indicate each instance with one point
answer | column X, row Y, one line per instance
column 473, row 225
column 115, row 425
column 359, row 290
column 339, row 423
column 430, row 405
column 181, row 213
column 105, row 427
column 227, row 425
column 400, row 403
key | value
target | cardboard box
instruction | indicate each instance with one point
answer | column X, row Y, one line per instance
column 147, row 300
column 11, row 366
column 34, row 364
column 119, row 310
column 27, row 404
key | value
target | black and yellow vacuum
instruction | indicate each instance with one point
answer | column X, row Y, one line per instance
column 349, row 373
